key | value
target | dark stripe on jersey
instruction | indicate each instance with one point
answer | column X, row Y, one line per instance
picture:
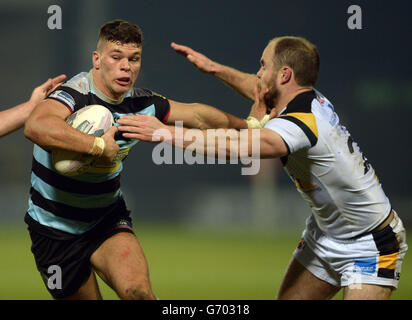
column 311, row 136
column 138, row 100
column 64, row 103
column 74, row 186
column 69, row 212
column 284, row 159
column 301, row 103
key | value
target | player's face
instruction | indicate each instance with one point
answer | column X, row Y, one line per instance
column 119, row 65
column 267, row 76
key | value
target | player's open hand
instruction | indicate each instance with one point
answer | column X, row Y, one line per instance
column 259, row 108
column 41, row 92
column 110, row 146
column 141, row 127
column 199, row 60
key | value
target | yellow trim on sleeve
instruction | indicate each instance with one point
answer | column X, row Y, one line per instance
column 307, row 118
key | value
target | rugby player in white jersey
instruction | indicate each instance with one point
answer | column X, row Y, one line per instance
column 14, row 118
column 353, row 238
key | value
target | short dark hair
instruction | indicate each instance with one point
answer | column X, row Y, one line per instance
column 121, row 31
column 299, row 54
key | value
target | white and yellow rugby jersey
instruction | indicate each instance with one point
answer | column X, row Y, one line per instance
column 328, row 168
column 75, row 204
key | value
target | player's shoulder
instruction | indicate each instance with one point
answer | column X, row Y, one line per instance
column 73, row 93
column 298, row 118
column 80, row 83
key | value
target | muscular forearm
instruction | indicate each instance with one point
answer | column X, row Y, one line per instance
column 54, row 133
column 221, row 143
column 210, row 117
column 229, row 143
column 14, row 118
column 241, row 82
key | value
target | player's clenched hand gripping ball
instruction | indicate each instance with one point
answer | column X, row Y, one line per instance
column 94, row 120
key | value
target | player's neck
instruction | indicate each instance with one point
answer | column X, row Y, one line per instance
column 286, row 97
column 103, row 90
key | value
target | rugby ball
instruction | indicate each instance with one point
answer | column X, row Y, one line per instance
column 94, row 120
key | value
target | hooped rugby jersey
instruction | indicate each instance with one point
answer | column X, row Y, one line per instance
column 75, row 204
column 328, row 168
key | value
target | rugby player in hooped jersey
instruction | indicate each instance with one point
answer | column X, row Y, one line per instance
column 353, row 238
column 81, row 224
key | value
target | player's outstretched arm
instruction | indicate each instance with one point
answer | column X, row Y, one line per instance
column 201, row 116
column 47, row 127
column 14, row 118
column 258, row 143
column 266, row 142
column 241, row 82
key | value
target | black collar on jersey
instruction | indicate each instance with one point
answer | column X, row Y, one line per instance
column 301, row 103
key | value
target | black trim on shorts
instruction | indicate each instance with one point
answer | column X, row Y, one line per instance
column 386, row 243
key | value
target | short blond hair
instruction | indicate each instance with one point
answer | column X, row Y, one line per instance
column 300, row 55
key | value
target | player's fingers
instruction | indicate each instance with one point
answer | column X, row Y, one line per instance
column 262, row 94
column 112, row 131
column 128, row 121
column 56, row 81
column 184, row 50
column 135, row 136
column 133, row 117
column 273, row 113
column 191, row 58
column 50, row 83
column 45, row 85
column 126, row 128
column 256, row 90
column 59, row 79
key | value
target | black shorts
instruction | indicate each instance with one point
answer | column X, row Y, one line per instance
column 63, row 259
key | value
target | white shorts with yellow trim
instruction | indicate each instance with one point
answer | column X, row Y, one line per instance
column 374, row 258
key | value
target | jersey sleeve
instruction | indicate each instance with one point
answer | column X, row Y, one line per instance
column 70, row 97
column 162, row 106
column 299, row 131
column 145, row 98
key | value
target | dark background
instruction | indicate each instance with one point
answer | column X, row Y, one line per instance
column 365, row 73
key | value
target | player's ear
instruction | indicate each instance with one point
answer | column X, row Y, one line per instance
column 285, row 74
column 96, row 57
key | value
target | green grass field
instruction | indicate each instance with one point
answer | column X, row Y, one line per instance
column 184, row 264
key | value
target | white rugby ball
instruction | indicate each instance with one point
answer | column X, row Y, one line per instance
column 94, row 120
